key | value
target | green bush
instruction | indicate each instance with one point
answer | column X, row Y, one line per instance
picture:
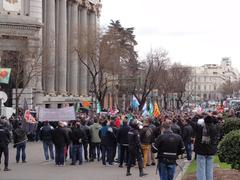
column 229, row 149
column 231, row 125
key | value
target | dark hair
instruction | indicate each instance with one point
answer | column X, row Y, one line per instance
column 208, row 120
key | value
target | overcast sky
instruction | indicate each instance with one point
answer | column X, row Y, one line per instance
column 192, row 31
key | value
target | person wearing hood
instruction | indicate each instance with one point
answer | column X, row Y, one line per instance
column 205, row 146
column 95, row 140
column 4, row 141
column 20, row 141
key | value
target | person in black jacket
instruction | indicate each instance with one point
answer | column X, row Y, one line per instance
column 134, row 146
column 86, row 130
column 20, row 141
column 60, row 140
column 205, row 146
column 122, row 139
column 46, row 137
column 187, row 134
column 168, row 145
column 108, row 142
column 176, row 128
column 4, row 141
column 77, row 137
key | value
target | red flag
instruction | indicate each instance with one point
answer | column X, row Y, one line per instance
column 29, row 117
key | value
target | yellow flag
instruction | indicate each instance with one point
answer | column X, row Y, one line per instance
column 156, row 111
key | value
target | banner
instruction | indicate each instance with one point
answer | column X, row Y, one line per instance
column 62, row 114
column 5, row 75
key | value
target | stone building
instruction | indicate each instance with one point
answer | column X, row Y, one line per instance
column 207, row 80
column 56, row 32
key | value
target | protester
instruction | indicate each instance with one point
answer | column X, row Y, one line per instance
column 4, row 141
column 205, row 146
column 77, row 137
column 20, row 141
column 146, row 138
column 95, row 140
column 122, row 139
column 187, row 134
column 135, row 148
column 87, row 138
column 60, row 140
column 168, row 145
column 45, row 135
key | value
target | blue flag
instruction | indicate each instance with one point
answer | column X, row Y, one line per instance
column 134, row 102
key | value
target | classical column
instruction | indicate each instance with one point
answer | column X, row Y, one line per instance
column 62, row 41
column 91, row 43
column 83, row 47
column 74, row 45
column 26, row 7
column 57, row 22
column 50, row 46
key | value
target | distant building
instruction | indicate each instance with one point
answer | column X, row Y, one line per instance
column 207, row 80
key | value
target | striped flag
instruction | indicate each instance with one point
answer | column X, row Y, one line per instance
column 134, row 102
column 156, row 111
column 150, row 110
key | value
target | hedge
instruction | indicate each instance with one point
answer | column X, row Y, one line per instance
column 231, row 125
column 229, row 149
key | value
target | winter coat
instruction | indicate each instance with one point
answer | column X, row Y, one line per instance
column 187, row 134
column 146, row 135
column 4, row 136
column 76, row 136
column 46, row 133
column 122, row 135
column 176, row 129
column 19, row 136
column 60, row 138
column 94, row 133
column 203, row 148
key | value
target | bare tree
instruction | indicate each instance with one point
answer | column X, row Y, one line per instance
column 180, row 76
column 150, row 70
column 26, row 65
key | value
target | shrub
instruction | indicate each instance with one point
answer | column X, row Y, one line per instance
column 230, row 125
column 229, row 149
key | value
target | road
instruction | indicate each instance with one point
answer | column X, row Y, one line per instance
column 38, row 169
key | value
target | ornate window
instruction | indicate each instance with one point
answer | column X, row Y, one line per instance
column 12, row 5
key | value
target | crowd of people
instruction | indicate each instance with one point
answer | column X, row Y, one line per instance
column 125, row 139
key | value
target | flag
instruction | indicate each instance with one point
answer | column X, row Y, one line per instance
column 86, row 104
column 156, row 111
column 25, row 105
column 5, row 75
column 77, row 107
column 29, row 117
column 150, row 110
column 145, row 111
column 134, row 102
column 98, row 107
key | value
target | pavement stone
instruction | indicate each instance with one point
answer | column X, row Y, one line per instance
column 38, row 169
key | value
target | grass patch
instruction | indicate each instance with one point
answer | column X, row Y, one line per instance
column 192, row 168
column 221, row 165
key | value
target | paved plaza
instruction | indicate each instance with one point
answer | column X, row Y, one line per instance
column 38, row 169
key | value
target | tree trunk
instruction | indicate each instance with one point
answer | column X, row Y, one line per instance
column 165, row 101
column 17, row 101
column 142, row 102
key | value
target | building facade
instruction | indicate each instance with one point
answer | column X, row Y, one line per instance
column 57, row 33
column 208, row 79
